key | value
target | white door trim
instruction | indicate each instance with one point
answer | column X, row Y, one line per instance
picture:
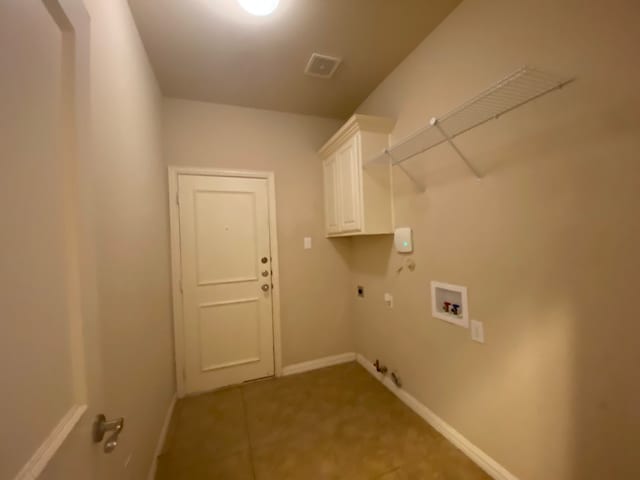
column 174, row 222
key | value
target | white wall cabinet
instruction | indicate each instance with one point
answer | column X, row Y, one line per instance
column 358, row 200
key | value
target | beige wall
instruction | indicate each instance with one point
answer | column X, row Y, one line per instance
column 132, row 233
column 314, row 283
column 546, row 242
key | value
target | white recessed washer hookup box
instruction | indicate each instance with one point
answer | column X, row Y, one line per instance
column 449, row 303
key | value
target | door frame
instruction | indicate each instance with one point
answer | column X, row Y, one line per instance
column 176, row 263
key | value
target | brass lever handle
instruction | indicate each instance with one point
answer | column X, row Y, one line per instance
column 101, row 426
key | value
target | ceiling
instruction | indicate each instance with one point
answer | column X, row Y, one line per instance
column 212, row 50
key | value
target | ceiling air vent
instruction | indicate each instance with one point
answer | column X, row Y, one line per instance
column 322, row 66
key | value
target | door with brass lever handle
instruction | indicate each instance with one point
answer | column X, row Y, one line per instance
column 100, row 428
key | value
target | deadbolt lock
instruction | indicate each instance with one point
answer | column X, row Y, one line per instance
column 264, row 259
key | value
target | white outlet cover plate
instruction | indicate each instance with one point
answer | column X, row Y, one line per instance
column 388, row 299
column 477, row 331
column 307, row 243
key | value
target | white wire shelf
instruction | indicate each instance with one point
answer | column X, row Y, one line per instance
column 518, row 88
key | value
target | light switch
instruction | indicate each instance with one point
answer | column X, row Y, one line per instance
column 307, row 243
column 477, row 331
column 388, row 299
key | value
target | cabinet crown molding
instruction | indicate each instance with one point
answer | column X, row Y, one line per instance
column 357, row 123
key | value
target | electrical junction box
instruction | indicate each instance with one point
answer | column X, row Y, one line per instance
column 402, row 240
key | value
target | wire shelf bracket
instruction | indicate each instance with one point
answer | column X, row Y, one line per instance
column 434, row 122
column 519, row 88
column 419, row 185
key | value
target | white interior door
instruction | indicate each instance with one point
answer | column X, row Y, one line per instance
column 50, row 361
column 226, row 280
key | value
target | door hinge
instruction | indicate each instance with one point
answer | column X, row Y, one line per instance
column 178, row 198
column 180, row 282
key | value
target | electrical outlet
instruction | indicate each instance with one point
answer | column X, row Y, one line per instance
column 388, row 299
column 307, row 243
column 477, row 331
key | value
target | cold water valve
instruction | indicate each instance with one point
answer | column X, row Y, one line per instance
column 380, row 368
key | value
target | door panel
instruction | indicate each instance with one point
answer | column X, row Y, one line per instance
column 350, row 190
column 331, row 195
column 229, row 333
column 50, row 356
column 224, row 238
column 225, row 241
column 34, row 270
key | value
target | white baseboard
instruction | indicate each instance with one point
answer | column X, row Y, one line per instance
column 39, row 460
column 162, row 439
column 318, row 363
column 484, row 461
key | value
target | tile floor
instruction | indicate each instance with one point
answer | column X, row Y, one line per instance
column 334, row 423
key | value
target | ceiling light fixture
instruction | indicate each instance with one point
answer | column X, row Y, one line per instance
column 260, row 8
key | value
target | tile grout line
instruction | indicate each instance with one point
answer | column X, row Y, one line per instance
column 384, row 474
column 246, row 429
column 325, row 405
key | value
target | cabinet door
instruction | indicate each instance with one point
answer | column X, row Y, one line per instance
column 349, row 187
column 332, row 223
